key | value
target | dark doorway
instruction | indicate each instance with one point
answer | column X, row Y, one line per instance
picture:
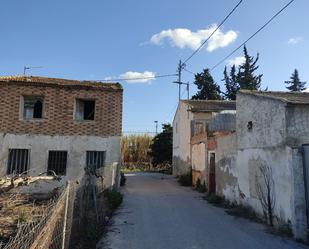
column 212, row 173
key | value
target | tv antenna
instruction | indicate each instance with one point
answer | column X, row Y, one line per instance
column 29, row 67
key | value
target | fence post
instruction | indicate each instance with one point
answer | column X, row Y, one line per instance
column 65, row 215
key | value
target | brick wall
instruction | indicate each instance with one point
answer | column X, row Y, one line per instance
column 58, row 110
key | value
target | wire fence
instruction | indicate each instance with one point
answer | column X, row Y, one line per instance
column 53, row 227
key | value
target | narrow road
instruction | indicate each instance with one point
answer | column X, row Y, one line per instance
column 158, row 213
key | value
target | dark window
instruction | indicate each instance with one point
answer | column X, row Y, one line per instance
column 18, row 161
column 57, row 162
column 95, row 159
column 250, row 125
column 33, row 108
column 85, row 109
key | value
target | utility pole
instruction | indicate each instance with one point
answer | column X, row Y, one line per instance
column 181, row 66
column 156, row 122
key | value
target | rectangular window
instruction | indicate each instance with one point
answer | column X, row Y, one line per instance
column 95, row 159
column 32, row 107
column 57, row 162
column 85, row 109
column 18, row 161
column 198, row 127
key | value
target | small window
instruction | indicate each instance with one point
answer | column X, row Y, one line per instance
column 85, row 109
column 95, row 159
column 33, row 107
column 57, row 162
column 198, row 127
column 250, row 125
column 18, row 161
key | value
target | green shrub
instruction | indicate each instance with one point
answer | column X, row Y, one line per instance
column 185, row 179
column 214, row 199
column 200, row 187
column 22, row 217
column 114, row 199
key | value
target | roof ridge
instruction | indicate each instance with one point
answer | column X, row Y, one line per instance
column 58, row 81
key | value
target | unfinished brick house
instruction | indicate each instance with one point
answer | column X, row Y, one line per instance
column 55, row 125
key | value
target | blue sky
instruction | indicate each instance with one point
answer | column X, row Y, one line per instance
column 94, row 40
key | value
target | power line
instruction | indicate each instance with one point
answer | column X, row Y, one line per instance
column 140, row 78
column 221, row 23
column 188, row 71
column 254, row 34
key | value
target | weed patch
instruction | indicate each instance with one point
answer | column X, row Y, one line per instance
column 214, row 199
column 185, row 179
column 200, row 187
column 114, row 199
column 244, row 212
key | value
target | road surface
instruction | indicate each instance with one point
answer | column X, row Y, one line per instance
column 158, row 213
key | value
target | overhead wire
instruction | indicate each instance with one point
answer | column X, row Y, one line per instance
column 139, row 78
column 207, row 39
column 253, row 35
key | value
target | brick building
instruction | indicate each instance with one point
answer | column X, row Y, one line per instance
column 49, row 124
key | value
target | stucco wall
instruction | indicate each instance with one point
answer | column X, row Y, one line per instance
column 199, row 162
column 277, row 133
column 226, row 167
column 76, row 146
column 297, row 127
column 268, row 122
column 181, row 140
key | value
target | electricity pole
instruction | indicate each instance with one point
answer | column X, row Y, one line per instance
column 181, row 66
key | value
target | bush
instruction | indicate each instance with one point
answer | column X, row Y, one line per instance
column 122, row 179
column 244, row 212
column 114, row 199
column 200, row 187
column 185, row 179
column 214, row 199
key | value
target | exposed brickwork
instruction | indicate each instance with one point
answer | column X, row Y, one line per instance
column 58, row 110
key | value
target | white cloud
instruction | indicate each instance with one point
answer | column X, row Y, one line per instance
column 237, row 61
column 306, row 91
column 295, row 40
column 185, row 38
column 135, row 77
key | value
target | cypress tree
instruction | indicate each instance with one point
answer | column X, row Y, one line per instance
column 231, row 83
column 245, row 76
column 208, row 89
column 295, row 85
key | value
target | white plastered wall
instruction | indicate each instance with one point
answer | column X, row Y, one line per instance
column 76, row 146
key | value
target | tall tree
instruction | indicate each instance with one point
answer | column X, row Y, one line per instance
column 295, row 85
column 161, row 149
column 208, row 89
column 231, row 83
column 245, row 76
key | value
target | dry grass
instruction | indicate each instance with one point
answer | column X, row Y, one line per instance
column 16, row 209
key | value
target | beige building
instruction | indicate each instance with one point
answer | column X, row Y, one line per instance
column 62, row 126
column 189, row 127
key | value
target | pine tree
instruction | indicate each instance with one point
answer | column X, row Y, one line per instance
column 295, row 85
column 208, row 89
column 231, row 84
column 245, row 77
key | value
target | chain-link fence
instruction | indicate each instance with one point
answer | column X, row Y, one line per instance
column 53, row 227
